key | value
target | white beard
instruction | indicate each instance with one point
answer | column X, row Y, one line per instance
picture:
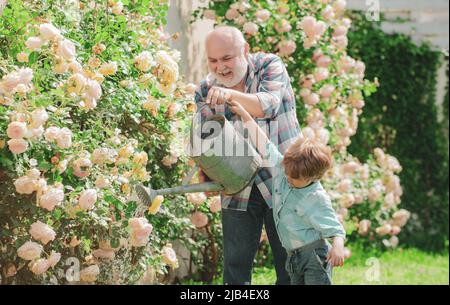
column 239, row 73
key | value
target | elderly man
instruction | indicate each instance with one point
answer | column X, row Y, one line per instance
column 260, row 83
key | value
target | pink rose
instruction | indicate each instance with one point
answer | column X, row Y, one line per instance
column 29, row 251
column 262, row 15
column 323, row 61
column 87, row 199
column 199, row 219
column 232, row 14
column 140, row 231
column 401, row 217
column 42, row 232
column 51, row 133
column 39, row 266
column 326, row 91
column 16, row 130
column 169, row 256
column 312, row 99
column 250, row 28
column 196, row 198
column 64, row 138
column 89, row 274
column 54, row 258
column 104, row 253
column 321, row 74
column 304, row 92
column 49, row 31
column 17, row 146
column 209, row 14
column 364, row 227
column 25, row 185
column 317, row 54
column 308, row 81
column 328, row 13
column 309, row 133
column 308, row 25
column 340, row 5
column 34, row 43
column 287, row 47
column 349, row 167
column 323, row 136
column 320, row 28
column 52, row 197
column 39, row 117
column 344, row 186
column 66, row 50
column 340, row 30
column 283, row 27
column 384, row 229
column 215, row 205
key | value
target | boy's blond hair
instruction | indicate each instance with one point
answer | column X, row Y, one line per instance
column 307, row 159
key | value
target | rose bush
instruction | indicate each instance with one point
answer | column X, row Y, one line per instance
column 91, row 103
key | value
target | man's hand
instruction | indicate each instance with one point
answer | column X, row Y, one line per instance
column 218, row 96
column 336, row 255
column 237, row 108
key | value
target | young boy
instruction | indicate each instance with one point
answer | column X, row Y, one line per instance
column 302, row 210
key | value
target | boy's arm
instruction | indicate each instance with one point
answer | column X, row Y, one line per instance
column 257, row 135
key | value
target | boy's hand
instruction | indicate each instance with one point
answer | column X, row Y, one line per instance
column 237, row 108
column 336, row 255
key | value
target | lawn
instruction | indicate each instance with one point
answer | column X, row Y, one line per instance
column 399, row 267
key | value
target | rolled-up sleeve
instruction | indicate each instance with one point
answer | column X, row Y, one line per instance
column 272, row 86
column 323, row 217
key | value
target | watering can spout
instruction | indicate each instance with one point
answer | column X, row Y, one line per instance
column 146, row 195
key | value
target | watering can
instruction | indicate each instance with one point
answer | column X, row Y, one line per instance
column 222, row 153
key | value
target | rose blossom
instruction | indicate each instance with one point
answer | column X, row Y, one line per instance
column 38, row 117
column 64, row 138
column 287, row 47
column 17, row 146
column 66, row 50
column 29, row 251
column 39, row 266
column 196, row 198
column 52, row 197
column 215, row 205
column 42, row 232
column 87, row 199
column 199, row 219
column 232, row 14
column 16, row 130
column 140, row 231
column 250, row 28
column 49, row 31
column 169, row 256
column 89, row 274
column 262, row 15
column 34, row 43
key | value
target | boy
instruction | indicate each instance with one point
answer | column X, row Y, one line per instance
column 302, row 210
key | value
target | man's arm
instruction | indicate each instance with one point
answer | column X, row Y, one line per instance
column 250, row 102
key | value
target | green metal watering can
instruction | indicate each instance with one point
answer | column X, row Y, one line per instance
column 222, row 153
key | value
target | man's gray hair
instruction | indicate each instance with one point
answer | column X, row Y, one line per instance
column 232, row 32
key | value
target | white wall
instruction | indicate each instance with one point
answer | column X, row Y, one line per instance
column 425, row 20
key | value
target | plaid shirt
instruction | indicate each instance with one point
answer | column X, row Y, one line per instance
column 268, row 79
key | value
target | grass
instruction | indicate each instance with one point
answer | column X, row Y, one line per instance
column 399, row 267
